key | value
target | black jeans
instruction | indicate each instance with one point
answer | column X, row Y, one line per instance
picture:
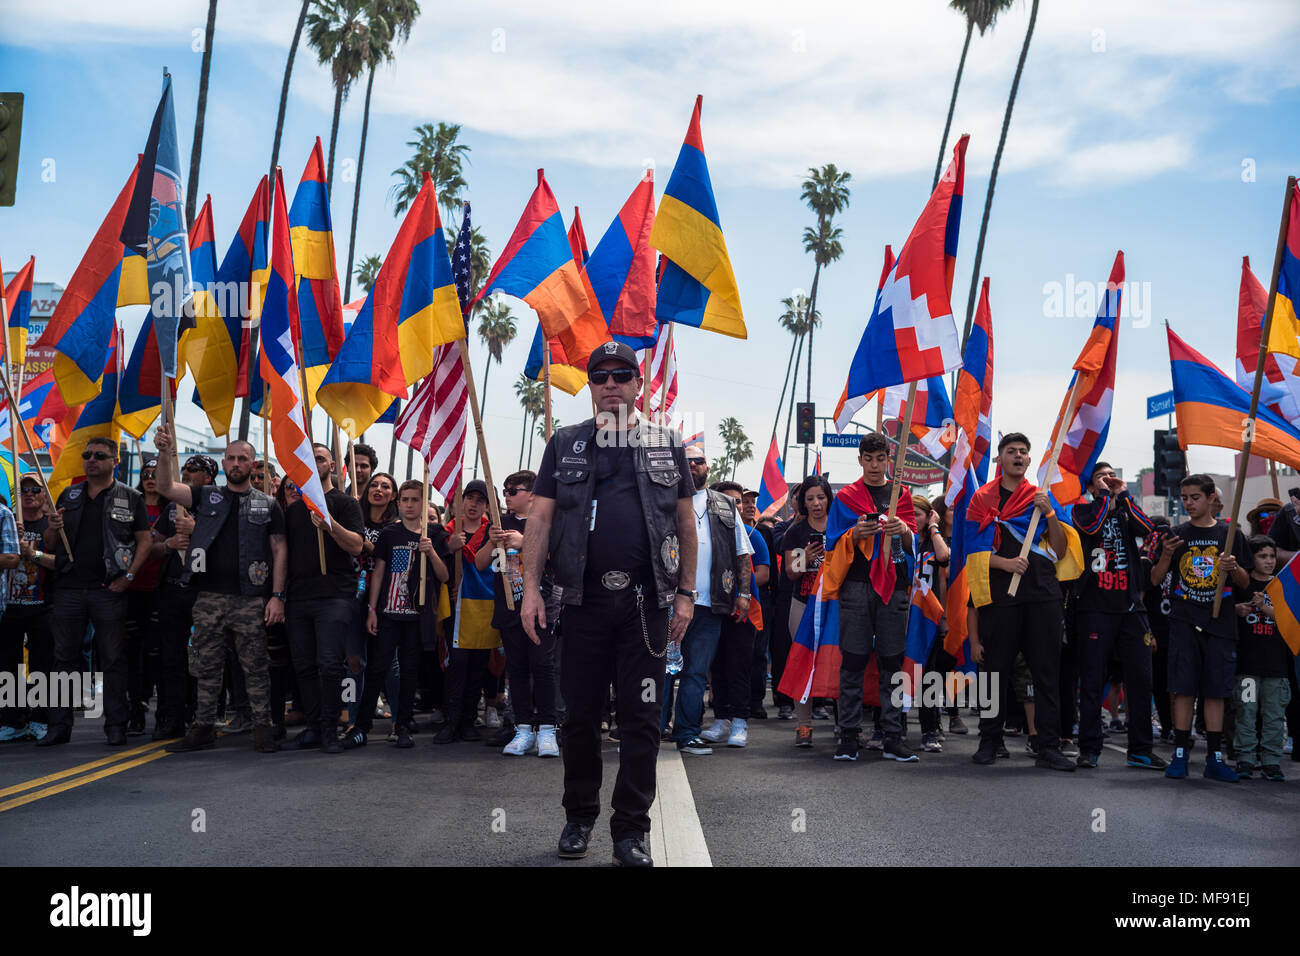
column 175, row 618
column 1101, row 637
column 939, row 665
column 462, row 685
column 143, row 647
column 731, row 670
column 603, row 638
column 1034, row 630
column 281, row 665
column 532, row 673
column 758, row 660
column 400, row 636
column 318, row 641
column 30, row 621
column 74, row 609
column 1160, row 673
column 778, row 645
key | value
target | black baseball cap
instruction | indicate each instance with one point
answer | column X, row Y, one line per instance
column 478, row 487
column 613, row 351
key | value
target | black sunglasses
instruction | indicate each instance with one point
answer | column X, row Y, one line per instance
column 34, row 490
column 513, row 489
column 97, row 455
column 620, row 375
column 696, row 461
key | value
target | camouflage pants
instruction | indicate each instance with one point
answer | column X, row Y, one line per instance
column 218, row 615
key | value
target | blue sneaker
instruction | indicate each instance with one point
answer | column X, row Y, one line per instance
column 1177, row 768
column 1146, row 761
column 1216, row 768
column 36, row 730
column 13, row 734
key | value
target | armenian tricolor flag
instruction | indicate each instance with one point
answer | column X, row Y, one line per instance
column 207, row 349
column 95, row 419
column 1280, row 388
column 1284, row 592
column 412, row 309
column 564, row 375
column 698, row 286
column 474, row 601
column 621, row 270
column 1284, row 333
column 772, row 489
column 18, row 298
column 41, row 407
column 320, row 303
column 1210, row 408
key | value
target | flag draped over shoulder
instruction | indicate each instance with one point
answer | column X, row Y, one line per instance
column 911, row 334
column 537, row 265
column 986, row 522
column 621, row 270
column 850, row 405
column 81, row 331
column 698, row 286
column 564, row 374
column 1210, row 408
column 474, row 602
column 320, row 303
column 923, row 616
column 18, row 298
column 412, row 308
column 280, row 368
column 1280, row 388
column 1094, row 373
column 772, row 489
column 155, row 227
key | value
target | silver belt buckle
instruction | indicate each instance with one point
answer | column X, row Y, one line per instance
column 615, row 580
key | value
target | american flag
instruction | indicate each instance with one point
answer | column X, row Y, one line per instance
column 663, row 362
column 398, row 598
column 433, row 421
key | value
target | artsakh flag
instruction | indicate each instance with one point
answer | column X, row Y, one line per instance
column 1280, row 388
column 564, row 375
column 932, row 417
column 621, row 270
column 912, row 334
column 280, row 368
column 412, row 309
column 18, row 299
column 242, row 280
column 957, row 641
column 81, row 331
column 320, row 303
column 923, row 616
column 850, row 405
column 1094, row 371
column 537, row 265
column 972, row 412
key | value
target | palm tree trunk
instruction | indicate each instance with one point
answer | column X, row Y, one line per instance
column 812, row 323
column 356, row 195
column 952, row 104
column 784, row 384
column 334, row 135
column 482, row 406
column 993, row 176
column 789, row 414
column 275, row 159
column 532, row 433
column 196, row 150
column 522, row 435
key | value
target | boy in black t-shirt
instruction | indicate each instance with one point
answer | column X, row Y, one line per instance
column 1202, row 648
column 393, row 613
column 1263, row 660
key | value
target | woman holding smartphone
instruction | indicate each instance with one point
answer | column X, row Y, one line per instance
column 804, row 553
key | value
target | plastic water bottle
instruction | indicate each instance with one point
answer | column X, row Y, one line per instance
column 675, row 660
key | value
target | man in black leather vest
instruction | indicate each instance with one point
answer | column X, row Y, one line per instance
column 107, row 528
column 612, row 507
column 237, row 560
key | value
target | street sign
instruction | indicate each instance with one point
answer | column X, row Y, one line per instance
column 1162, row 404
column 832, row 440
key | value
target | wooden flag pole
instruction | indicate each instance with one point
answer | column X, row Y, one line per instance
column 458, row 509
column 424, row 527
column 1272, row 473
column 1248, row 437
column 645, row 384
column 1064, row 430
column 880, row 412
column 904, row 436
column 13, row 412
column 266, row 435
column 352, row 473
column 31, row 450
column 663, row 386
column 546, row 389
column 306, row 419
column 494, row 512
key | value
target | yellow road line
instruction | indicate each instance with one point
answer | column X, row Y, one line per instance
column 82, row 768
column 72, row 784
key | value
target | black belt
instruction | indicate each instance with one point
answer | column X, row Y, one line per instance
column 618, row 580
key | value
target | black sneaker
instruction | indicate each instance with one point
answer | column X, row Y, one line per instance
column 1002, row 751
column 1146, row 761
column 468, row 732
column 757, row 713
column 1273, row 772
column 987, row 752
column 1031, row 746
column 694, row 746
column 1246, row 769
column 1087, row 760
column 352, row 738
column 786, row 712
column 895, row 749
column 1054, row 760
column 446, row 734
column 848, row 748
column 956, row 725
column 404, row 738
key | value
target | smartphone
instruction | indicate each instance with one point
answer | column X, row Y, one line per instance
column 818, row 537
column 872, row 516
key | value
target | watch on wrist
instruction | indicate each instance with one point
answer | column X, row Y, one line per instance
column 278, row 594
column 693, row 595
column 130, row 576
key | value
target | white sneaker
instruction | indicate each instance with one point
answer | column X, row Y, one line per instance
column 491, row 718
column 739, row 733
column 523, row 743
column 718, row 732
column 547, row 745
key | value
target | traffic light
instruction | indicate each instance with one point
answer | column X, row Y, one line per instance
column 805, row 414
column 11, row 128
column 1170, row 463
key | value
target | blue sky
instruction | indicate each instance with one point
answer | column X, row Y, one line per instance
column 1130, row 132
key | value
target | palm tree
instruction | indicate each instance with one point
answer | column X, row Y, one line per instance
column 339, row 35
column 982, row 14
column 795, row 321
column 368, row 271
column 496, row 329
column 196, row 150
column 438, row 154
column 737, row 447
column 529, row 393
column 993, row 175
column 826, row 191
column 387, row 22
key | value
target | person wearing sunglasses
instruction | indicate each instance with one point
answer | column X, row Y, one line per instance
column 612, row 508
column 27, row 614
column 107, row 528
column 237, row 561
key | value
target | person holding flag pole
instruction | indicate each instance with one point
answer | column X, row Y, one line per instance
column 14, row 411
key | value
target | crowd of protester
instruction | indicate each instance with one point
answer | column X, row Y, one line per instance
column 234, row 608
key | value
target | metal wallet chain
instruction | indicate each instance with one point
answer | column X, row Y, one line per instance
column 645, row 631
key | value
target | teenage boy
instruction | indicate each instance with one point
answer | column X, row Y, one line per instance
column 1110, row 618
column 394, row 609
column 1202, row 648
column 1263, row 660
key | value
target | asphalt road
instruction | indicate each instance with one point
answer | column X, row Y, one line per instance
column 770, row 804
